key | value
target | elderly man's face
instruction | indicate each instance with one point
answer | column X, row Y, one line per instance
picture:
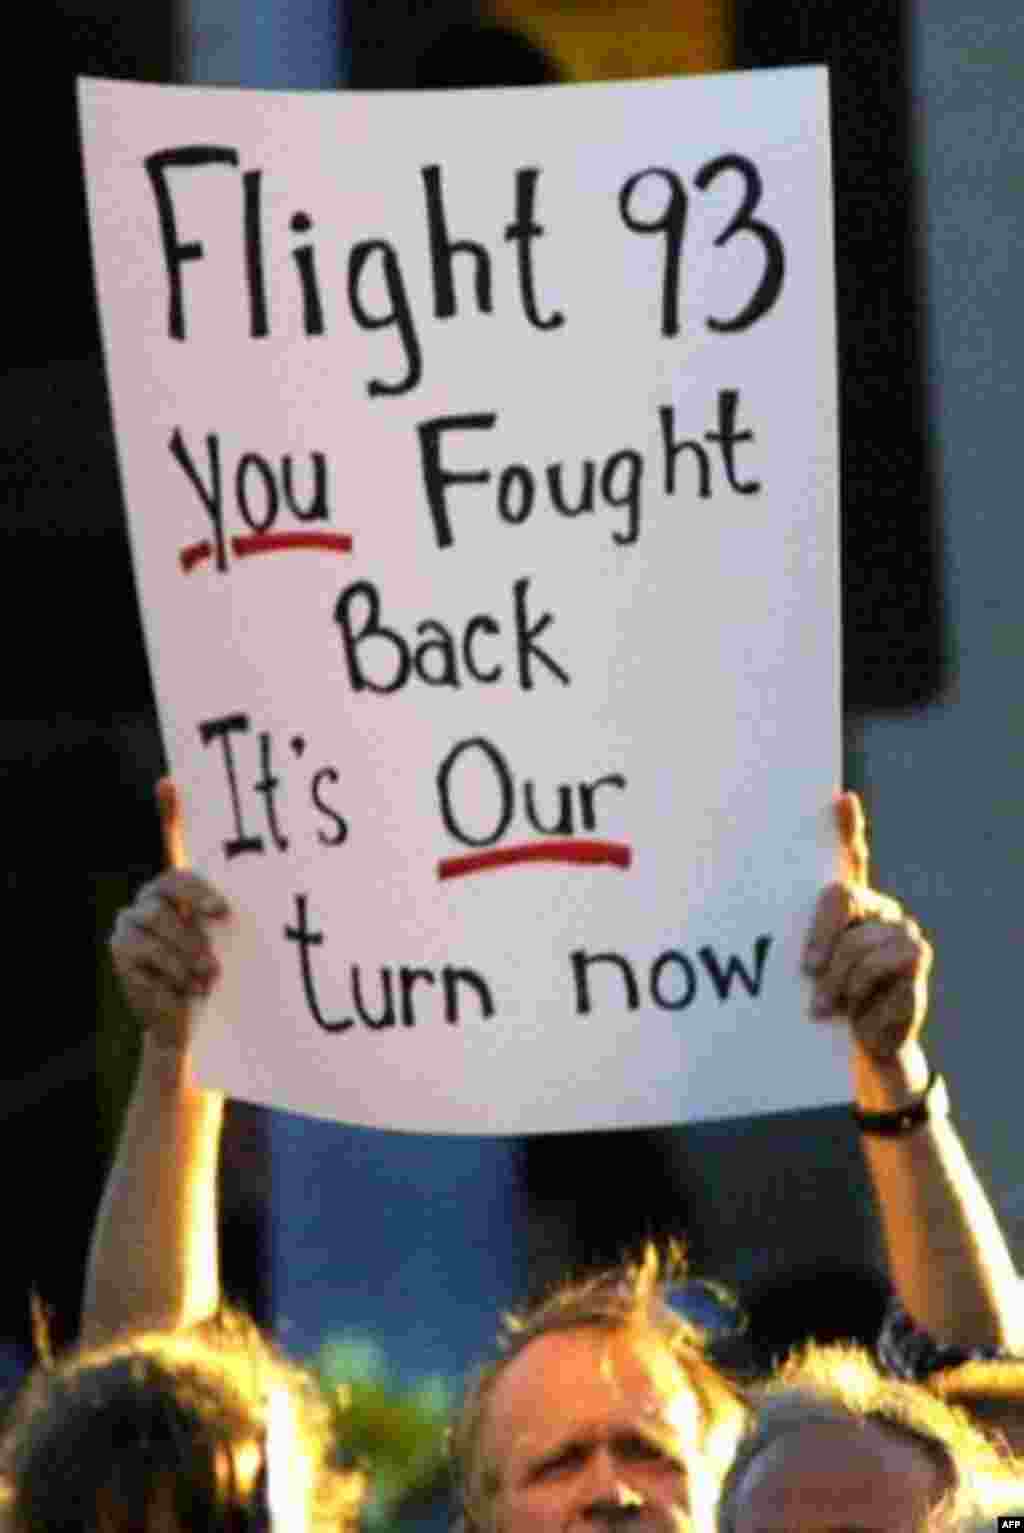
column 589, row 1429
column 842, row 1478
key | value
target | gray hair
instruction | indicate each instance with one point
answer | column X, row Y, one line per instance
column 840, row 1385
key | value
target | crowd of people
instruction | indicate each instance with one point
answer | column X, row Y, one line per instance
column 603, row 1406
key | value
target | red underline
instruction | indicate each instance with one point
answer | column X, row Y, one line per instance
column 611, row 853
column 267, row 543
column 194, row 554
column 274, row 542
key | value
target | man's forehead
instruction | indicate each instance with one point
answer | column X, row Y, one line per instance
column 837, row 1474
column 586, row 1378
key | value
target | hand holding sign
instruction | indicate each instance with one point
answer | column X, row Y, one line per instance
column 160, row 944
column 869, row 960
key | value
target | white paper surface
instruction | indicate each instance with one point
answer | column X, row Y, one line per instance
column 673, row 639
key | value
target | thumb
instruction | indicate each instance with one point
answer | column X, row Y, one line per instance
column 172, row 825
column 854, row 858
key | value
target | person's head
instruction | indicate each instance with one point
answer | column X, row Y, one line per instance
column 833, row 1444
column 991, row 1391
column 175, row 1433
column 601, row 1410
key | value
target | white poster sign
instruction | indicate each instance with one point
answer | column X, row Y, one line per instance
column 479, row 454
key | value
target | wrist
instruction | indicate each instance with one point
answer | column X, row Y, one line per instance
column 166, row 1067
column 888, row 1085
column 930, row 1106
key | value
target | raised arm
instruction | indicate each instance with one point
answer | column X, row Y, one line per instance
column 948, row 1258
column 153, row 1262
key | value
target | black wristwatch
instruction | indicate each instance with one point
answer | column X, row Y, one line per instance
column 932, row 1102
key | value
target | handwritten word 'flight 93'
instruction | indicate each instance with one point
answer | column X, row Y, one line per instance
column 376, row 287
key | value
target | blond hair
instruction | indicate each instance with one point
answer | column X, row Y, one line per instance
column 991, row 1391
column 109, row 1433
